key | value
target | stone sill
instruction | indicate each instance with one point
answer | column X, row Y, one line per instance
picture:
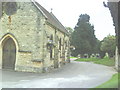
column 52, row 58
column 24, row 51
column 37, row 60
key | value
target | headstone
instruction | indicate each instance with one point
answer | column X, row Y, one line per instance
column 97, row 55
column 85, row 55
column 79, row 56
column 92, row 56
column 106, row 55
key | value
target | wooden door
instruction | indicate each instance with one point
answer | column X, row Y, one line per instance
column 9, row 54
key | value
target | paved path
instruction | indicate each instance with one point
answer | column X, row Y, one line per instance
column 73, row 75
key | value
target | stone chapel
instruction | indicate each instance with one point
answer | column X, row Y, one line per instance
column 31, row 38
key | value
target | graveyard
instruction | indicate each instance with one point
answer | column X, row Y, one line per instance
column 38, row 51
column 96, row 58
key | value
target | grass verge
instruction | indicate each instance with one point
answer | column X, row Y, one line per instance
column 105, row 61
column 114, row 82
column 73, row 57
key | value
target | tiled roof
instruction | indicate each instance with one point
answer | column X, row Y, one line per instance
column 51, row 18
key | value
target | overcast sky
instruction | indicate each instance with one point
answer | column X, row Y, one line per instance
column 68, row 12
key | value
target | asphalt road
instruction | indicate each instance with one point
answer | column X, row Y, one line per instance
column 72, row 75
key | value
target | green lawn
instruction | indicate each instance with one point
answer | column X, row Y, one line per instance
column 112, row 83
column 105, row 61
column 73, row 57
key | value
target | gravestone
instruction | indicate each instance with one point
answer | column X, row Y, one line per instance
column 86, row 56
column 106, row 55
column 92, row 56
column 79, row 56
column 97, row 55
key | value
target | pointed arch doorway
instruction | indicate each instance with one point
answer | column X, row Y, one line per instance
column 8, row 54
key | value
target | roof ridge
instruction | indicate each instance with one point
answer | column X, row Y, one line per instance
column 35, row 3
column 56, row 19
column 51, row 18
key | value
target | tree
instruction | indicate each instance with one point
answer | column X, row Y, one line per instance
column 108, row 45
column 70, row 30
column 83, row 37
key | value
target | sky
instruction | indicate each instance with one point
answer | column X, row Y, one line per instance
column 68, row 12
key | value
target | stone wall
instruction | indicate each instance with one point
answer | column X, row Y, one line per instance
column 26, row 27
column 57, row 59
column 31, row 32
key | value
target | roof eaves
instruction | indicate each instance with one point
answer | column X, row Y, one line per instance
column 39, row 8
column 49, row 23
column 58, row 21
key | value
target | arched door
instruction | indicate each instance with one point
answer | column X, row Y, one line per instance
column 9, row 54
